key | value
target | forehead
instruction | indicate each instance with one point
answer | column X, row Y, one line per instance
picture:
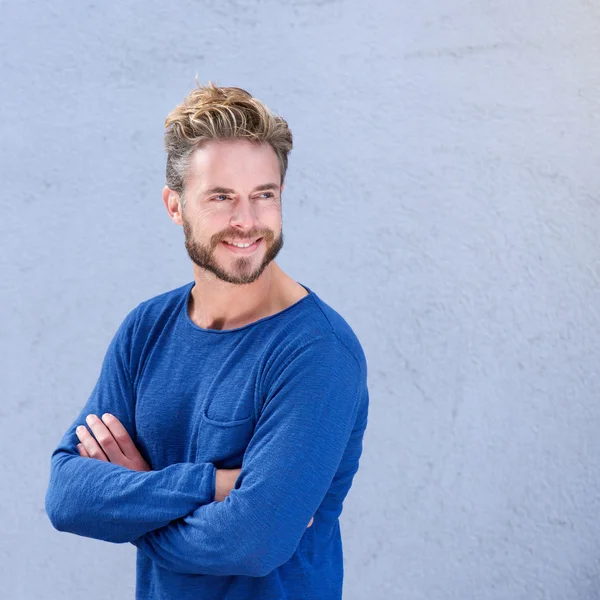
column 233, row 163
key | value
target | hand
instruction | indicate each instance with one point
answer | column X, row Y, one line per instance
column 225, row 482
column 111, row 444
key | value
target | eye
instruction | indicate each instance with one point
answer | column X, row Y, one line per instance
column 218, row 198
column 268, row 195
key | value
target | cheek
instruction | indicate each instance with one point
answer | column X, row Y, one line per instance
column 209, row 221
column 270, row 216
column 207, row 212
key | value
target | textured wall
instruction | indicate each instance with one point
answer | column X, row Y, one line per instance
column 443, row 196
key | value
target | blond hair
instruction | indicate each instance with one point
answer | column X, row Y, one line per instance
column 220, row 113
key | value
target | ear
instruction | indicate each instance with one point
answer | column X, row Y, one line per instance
column 172, row 202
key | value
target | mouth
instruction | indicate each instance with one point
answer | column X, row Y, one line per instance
column 242, row 246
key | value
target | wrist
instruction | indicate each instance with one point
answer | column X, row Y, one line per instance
column 220, row 492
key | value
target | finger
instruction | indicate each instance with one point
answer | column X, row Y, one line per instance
column 311, row 521
column 105, row 438
column 90, row 445
column 121, row 435
column 82, row 451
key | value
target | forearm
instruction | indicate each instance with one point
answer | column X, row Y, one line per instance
column 222, row 539
column 108, row 502
column 230, row 539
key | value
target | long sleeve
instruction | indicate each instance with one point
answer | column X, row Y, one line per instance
column 105, row 501
column 306, row 423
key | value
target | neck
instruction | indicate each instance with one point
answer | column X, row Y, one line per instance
column 216, row 304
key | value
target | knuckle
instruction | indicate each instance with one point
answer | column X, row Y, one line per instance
column 106, row 441
column 123, row 437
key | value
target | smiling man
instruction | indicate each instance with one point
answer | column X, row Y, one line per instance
column 226, row 425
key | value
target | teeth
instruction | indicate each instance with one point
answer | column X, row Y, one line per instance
column 240, row 245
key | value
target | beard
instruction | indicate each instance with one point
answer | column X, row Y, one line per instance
column 242, row 271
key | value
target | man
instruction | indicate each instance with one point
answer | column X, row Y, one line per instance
column 229, row 413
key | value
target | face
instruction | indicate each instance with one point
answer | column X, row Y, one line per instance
column 233, row 196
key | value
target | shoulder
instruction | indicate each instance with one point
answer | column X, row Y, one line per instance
column 163, row 303
column 316, row 332
column 143, row 325
column 338, row 327
column 159, row 307
column 151, row 315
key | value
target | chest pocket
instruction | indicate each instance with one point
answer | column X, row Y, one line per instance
column 224, row 442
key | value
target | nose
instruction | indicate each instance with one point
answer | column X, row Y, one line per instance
column 244, row 215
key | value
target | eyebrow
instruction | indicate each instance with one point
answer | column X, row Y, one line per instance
column 259, row 188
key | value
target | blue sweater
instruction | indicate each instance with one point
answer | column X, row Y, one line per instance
column 285, row 398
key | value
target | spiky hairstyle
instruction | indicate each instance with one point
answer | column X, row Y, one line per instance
column 220, row 113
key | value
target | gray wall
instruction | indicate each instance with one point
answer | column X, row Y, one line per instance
column 443, row 196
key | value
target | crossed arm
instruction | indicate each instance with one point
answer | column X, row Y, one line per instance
column 306, row 445
column 110, row 442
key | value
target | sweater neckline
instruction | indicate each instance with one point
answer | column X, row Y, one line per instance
column 186, row 316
